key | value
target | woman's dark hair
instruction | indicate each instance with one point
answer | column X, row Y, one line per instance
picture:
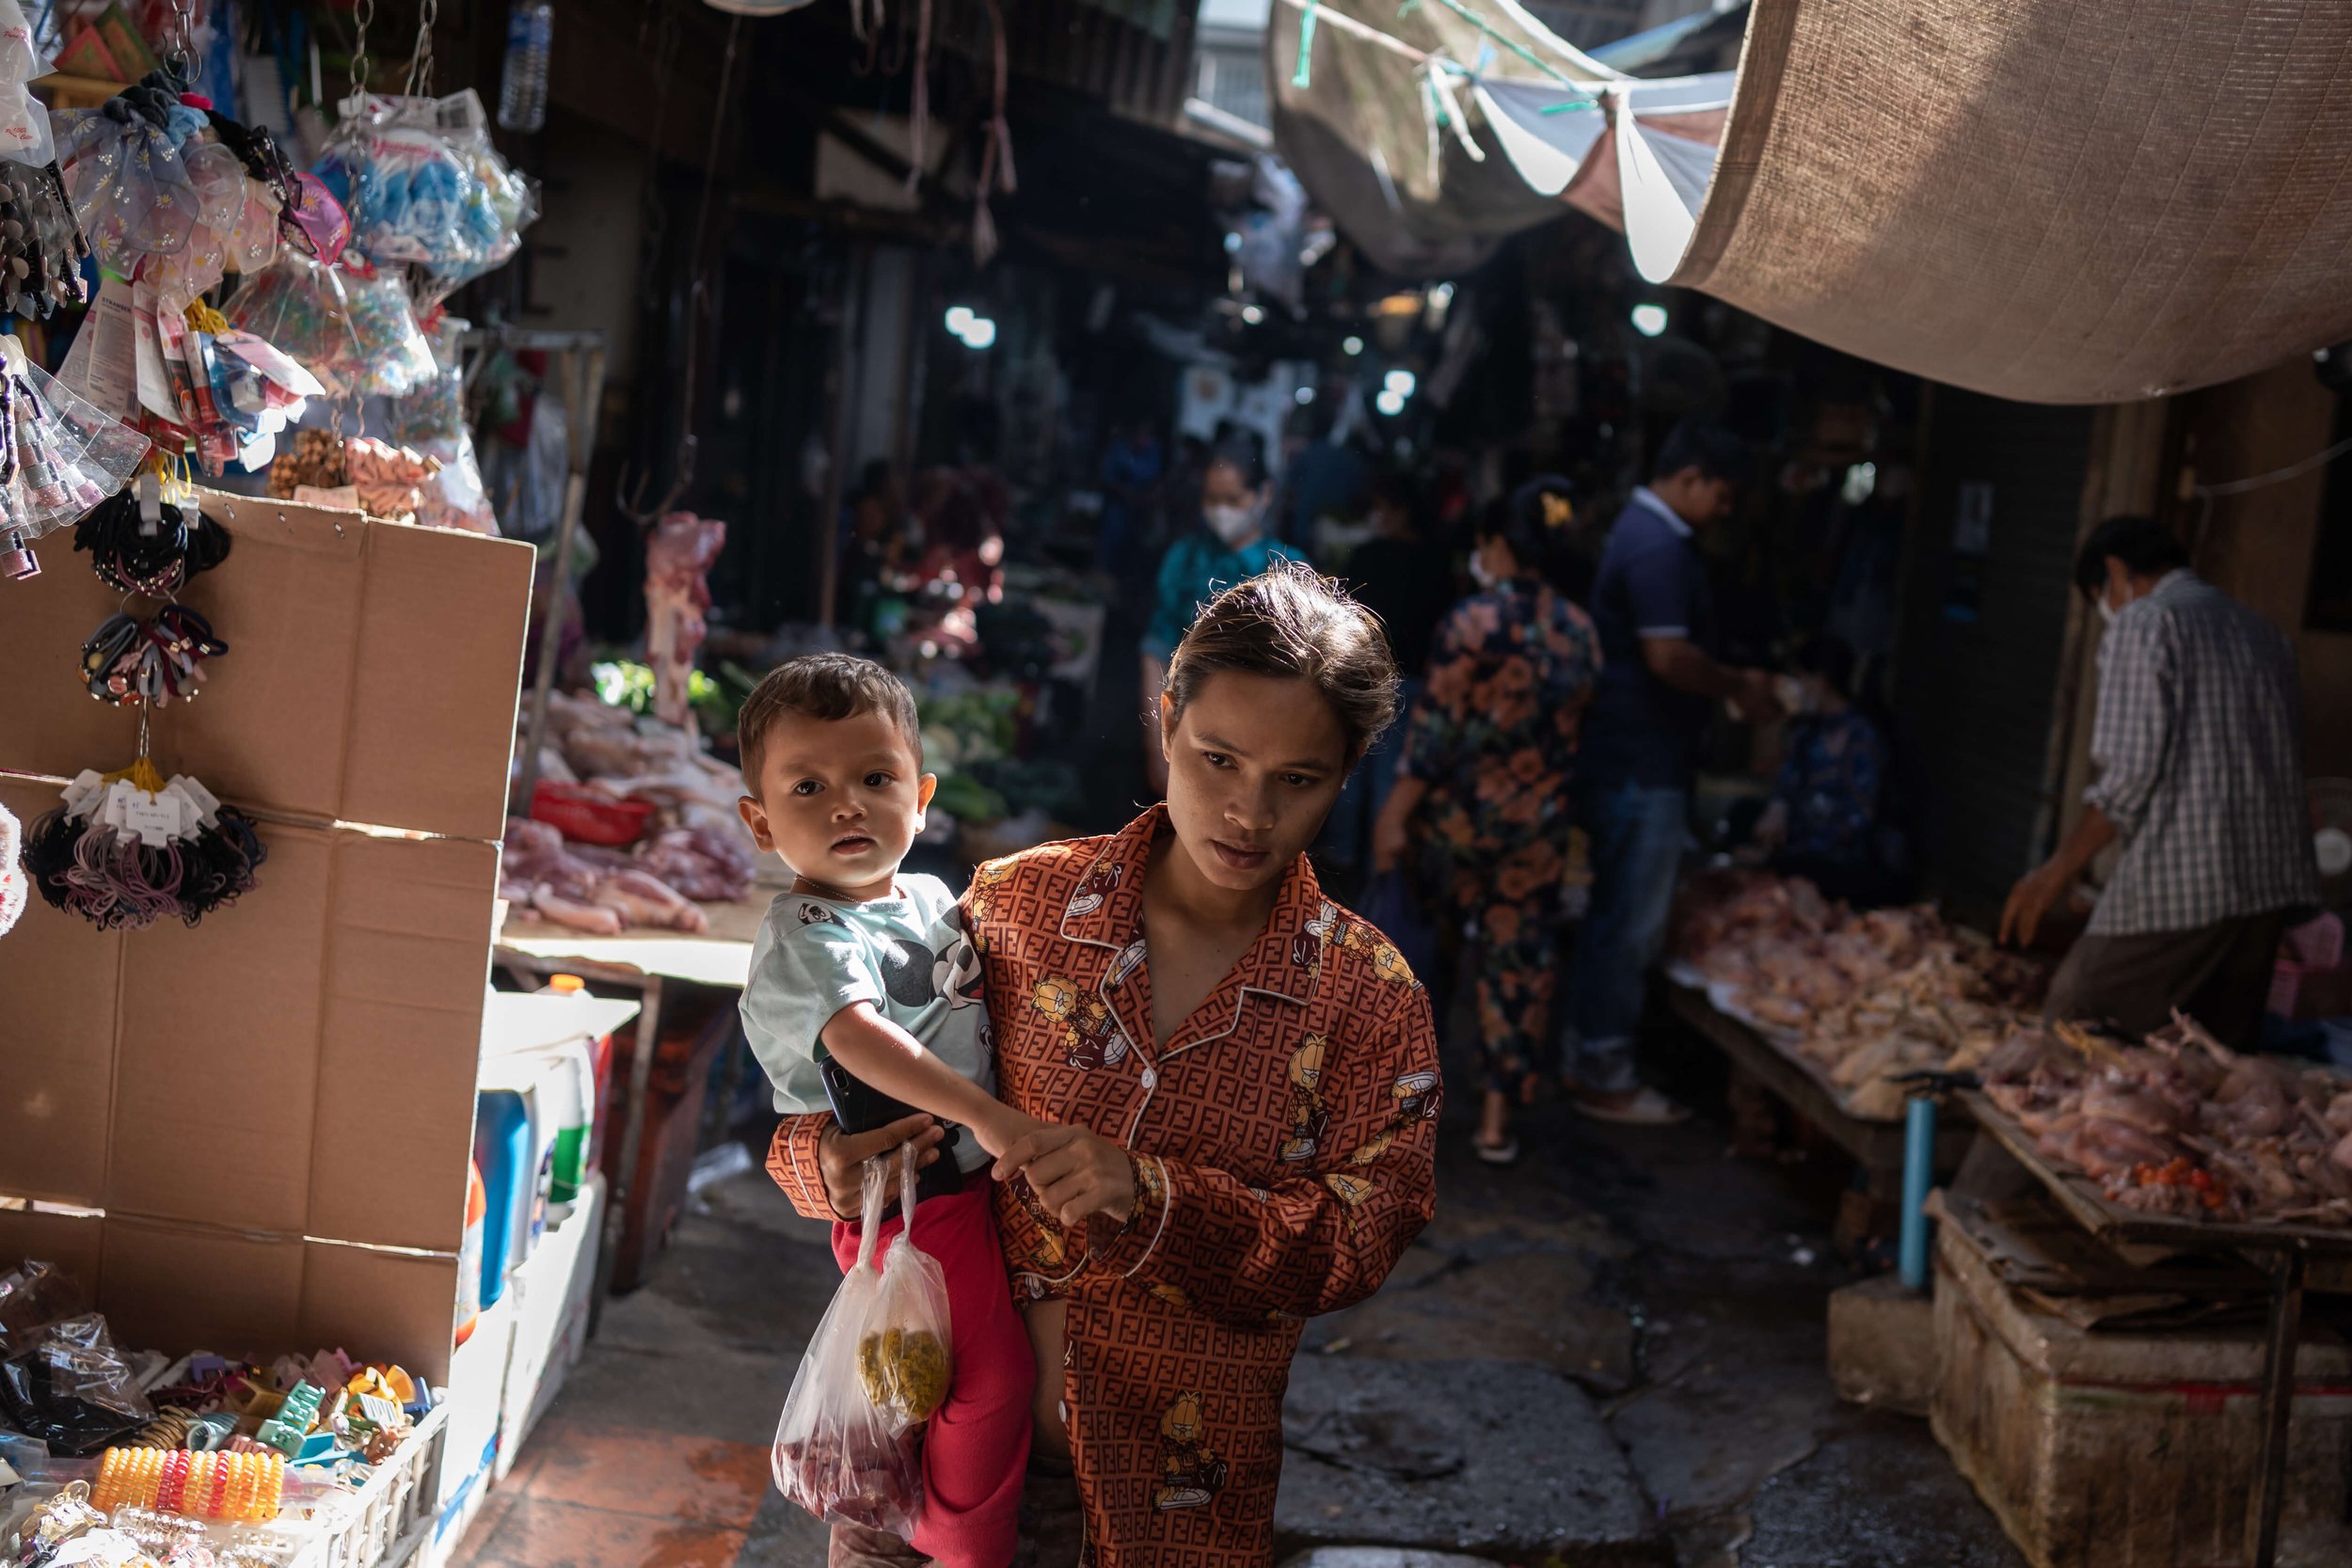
column 1291, row 622
column 1713, row 451
column 1242, row 453
column 2145, row 547
column 1538, row 521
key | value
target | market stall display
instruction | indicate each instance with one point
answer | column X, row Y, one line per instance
column 1860, row 999
column 2182, row 1126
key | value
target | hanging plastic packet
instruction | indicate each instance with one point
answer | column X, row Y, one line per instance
column 25, row 131
column 125, row 851
column 300, row 307
column 41, row 244
column 59, row 458
column 424, row 186
column 398, row 358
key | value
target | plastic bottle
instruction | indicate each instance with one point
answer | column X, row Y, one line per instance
column 523, row 86
column 470, row 1255
column 502, row 1146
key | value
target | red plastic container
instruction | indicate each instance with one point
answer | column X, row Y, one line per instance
column 589, row 818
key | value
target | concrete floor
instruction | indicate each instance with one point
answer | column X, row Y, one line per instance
column 1613, row 1353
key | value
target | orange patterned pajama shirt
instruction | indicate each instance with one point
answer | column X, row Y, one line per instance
column 1283, row 1148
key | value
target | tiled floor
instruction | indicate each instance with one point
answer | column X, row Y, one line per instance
column 592, row 1496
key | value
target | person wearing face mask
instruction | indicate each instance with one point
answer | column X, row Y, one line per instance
column 1660, row 684
column 2200, row 750
column 1488, row 753
column 1231, row 546
column 1824, row 819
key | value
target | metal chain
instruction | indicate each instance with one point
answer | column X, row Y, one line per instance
column 363, row 17
column 420, row 61
column 181, row 52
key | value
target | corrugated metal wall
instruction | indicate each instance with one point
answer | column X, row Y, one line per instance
column 1981, row 640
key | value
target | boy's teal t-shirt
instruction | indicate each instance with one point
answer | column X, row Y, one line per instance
column 908, row 956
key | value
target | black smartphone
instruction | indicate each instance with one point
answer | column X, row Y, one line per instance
column 859, row 1108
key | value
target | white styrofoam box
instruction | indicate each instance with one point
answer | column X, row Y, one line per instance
column 551, row 1292
column 477, row 1388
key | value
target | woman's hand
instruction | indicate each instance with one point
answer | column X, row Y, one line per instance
column 1073, row 1172
column 839, row 1154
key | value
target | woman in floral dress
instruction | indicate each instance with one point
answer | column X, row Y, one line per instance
column 1245, row 1081
column 1488, row 754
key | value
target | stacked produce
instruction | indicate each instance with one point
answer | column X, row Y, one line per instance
column 2181, row 1125
column 1862, row 997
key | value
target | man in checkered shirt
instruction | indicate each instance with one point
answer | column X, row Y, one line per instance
column 2199, row 744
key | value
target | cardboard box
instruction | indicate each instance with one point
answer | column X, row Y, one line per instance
column 254, row 1133
column 551, row 1296
column 373, row 673
column 2109, row 1449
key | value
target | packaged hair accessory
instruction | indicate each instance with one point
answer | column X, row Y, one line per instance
column 59, row 458
column 125, row 851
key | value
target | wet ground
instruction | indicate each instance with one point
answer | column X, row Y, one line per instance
column 1611, row 1354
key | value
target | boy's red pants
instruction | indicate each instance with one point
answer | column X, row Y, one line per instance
column 976, row 1451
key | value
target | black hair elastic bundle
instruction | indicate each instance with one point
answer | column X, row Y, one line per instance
column 118, row 876
column 133, row 557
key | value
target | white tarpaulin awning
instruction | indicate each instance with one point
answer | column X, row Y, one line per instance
column 2057, row 201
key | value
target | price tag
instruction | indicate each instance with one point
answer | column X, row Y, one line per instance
column 206, row 806
column 155, row 821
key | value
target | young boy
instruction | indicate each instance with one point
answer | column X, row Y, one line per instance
column 874, row 969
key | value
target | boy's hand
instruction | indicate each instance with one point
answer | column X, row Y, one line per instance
column 839, row 1154
column 999, row 1132
column 1073, row 1172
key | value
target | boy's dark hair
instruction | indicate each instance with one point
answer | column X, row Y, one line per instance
column 1713, row 451
column 830, row 687
column 2145, row 547
column 1291, row 622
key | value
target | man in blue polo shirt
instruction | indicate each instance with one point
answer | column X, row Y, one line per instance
column 1658, row 681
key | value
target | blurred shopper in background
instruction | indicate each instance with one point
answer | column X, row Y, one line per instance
column 1483, row 788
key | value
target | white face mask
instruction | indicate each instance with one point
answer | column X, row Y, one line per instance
column 1234, row 525
column 2106, row 611
column 1481, row 573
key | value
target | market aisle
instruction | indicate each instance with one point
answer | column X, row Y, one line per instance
column 1616, row 1349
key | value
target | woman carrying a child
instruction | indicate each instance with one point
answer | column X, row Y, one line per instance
column 1219, row 1092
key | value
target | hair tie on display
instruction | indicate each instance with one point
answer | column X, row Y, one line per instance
column 131, row 555
column 129, row 660
column 128, row 849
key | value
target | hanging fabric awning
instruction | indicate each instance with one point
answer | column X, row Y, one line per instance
column 1374, row 112
column 2056, row 201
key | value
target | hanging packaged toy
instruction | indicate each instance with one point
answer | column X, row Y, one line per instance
column 876, row 1370
column 127, row 850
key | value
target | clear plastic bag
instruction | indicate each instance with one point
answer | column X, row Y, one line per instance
column 876, row 1370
